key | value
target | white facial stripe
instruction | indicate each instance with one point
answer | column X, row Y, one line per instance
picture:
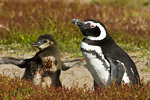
column 94, row 48
column 92, row 25
column 102, row 34
column 43, row 46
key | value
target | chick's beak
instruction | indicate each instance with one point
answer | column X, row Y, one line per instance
column 35, row 44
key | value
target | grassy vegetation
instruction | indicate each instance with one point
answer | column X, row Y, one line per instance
column 125, row 3
column 147, row 69
column 22, row 21
column 15, row 89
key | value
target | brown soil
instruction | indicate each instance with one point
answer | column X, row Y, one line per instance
column 79, row 75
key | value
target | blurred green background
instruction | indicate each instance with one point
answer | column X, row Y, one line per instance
column 22, row 21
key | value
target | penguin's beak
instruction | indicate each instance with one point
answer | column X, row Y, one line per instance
column 81, row 24
column 35, row 44
column 78, row 22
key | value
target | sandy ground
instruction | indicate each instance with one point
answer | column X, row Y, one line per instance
column 78, row 75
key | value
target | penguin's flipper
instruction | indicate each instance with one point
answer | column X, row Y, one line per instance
column 72, row 63
column 22, row 63
column 117, row 71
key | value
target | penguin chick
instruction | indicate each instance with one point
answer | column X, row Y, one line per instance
column 45, row 67
column 105, row 59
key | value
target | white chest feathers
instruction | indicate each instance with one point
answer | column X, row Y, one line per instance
column 97, row 64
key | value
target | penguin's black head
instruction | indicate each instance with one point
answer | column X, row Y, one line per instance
column 92, row 29
column 44, row 41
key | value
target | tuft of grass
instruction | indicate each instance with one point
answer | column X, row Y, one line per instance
column 19, row 89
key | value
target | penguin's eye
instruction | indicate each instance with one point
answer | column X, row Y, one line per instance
column 44, row 41
column 92, row 26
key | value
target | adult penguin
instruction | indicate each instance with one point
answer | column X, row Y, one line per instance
column 105, row 59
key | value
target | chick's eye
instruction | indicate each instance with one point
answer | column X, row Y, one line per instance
column 44, row 41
